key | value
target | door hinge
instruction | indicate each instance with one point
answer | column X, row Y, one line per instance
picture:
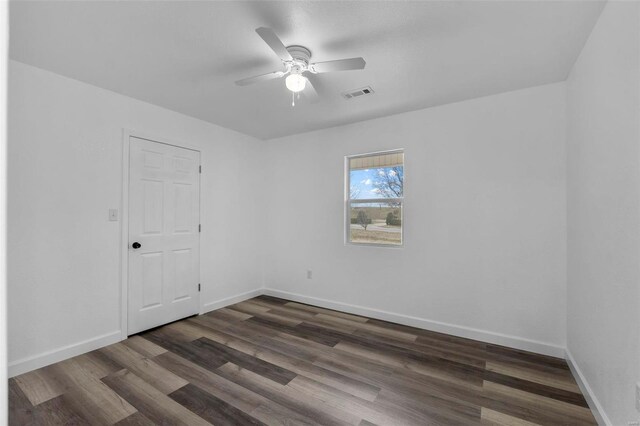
column 199, row 228
column 200, row 169
column 198, row 286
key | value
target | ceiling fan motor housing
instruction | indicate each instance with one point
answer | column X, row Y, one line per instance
column 301, row 55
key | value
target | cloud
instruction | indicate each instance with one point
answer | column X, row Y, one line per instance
column 366, row 182
column 392, row 173
column 381, row 172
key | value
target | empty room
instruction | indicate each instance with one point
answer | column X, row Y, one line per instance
column 321, row 213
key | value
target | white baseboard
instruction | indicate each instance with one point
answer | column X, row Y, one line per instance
column 50, row 357
column 31, row 363
column 594, row 404
column 212, row 306
column 441, row 327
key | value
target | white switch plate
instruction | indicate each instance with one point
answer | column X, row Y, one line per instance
column 113, row 215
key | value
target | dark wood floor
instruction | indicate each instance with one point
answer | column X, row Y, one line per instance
column 270, row 361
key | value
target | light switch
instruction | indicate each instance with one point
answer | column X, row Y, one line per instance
column 113, row 215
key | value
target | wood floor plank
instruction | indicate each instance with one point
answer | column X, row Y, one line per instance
column 233, row 315
column 429, row 335
column 560, row 381
column 318, row 310
column 295, row 331
column 171, row 334
column 532, row 387
column 21, row 411
column 223, row 389
column 136, row 419
column 157, row 376
column 355, row 361
column 272, row 299
column 276, row 362
column 443, row 369
column 179, row 327
column 277, row 415
column 71, row 377
column 97, row 364
column 257, row 310
column 256, row 331
column 372, row 328
column 214, row 319
column 89, row 395
column 57, row 411
column 186, row 350
column 312, row 351
column 144, row 347
column 434, row 408
column 249, row 362
column 281, row 356
column 537, row 408
column 345, row 402
column 40, row 385
column 495, row 418
column 408, row 350
column 289, row 312
column 152, row 403
column 310, row 408
column 212, row 409
column 249, row 308
column 235, row 395
column 437, row 351
column 501, row 352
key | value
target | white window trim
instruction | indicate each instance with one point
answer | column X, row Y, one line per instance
column 348, row 202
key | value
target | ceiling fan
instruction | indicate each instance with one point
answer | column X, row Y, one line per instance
column 295, row 60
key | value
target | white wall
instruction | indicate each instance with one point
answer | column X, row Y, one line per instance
column 4, row 49
column 603, row 207
column 485, row 233
column 65, row 150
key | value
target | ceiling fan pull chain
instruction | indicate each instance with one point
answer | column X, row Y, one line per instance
column 293, row 99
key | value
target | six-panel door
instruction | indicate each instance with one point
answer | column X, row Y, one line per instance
column 164, row 198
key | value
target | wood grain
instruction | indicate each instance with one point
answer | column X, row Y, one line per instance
column 152, row 403
column 212, row 409
column 160, row 378
column 276, row 362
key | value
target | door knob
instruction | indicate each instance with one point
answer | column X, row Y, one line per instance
column 136, row 245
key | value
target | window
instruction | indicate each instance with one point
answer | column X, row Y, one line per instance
column 374, row 198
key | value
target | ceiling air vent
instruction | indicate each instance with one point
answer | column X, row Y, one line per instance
column 358, row 92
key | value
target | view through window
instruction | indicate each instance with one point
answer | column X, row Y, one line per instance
column 375, row 198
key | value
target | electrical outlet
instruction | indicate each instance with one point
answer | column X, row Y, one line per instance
column 309, row 274
column 638, row 396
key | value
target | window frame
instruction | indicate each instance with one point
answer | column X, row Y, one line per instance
column 348, row 201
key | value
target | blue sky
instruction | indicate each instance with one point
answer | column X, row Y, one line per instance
column 362, row 181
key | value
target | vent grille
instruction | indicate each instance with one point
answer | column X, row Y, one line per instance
column 358, row 92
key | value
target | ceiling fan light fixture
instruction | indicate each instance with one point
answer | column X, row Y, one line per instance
column 295, row 82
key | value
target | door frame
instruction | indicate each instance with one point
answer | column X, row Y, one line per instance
column 127, row 134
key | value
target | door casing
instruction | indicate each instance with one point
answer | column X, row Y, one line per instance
column 127, row 134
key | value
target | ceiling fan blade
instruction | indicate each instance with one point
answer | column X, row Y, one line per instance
column 274, row 42
column 260, row 78
column 339, row 65
column 310, row 92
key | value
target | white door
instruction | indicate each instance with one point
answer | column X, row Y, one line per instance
column 164, row 239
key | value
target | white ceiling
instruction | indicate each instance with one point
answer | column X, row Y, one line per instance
column 185, row 56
